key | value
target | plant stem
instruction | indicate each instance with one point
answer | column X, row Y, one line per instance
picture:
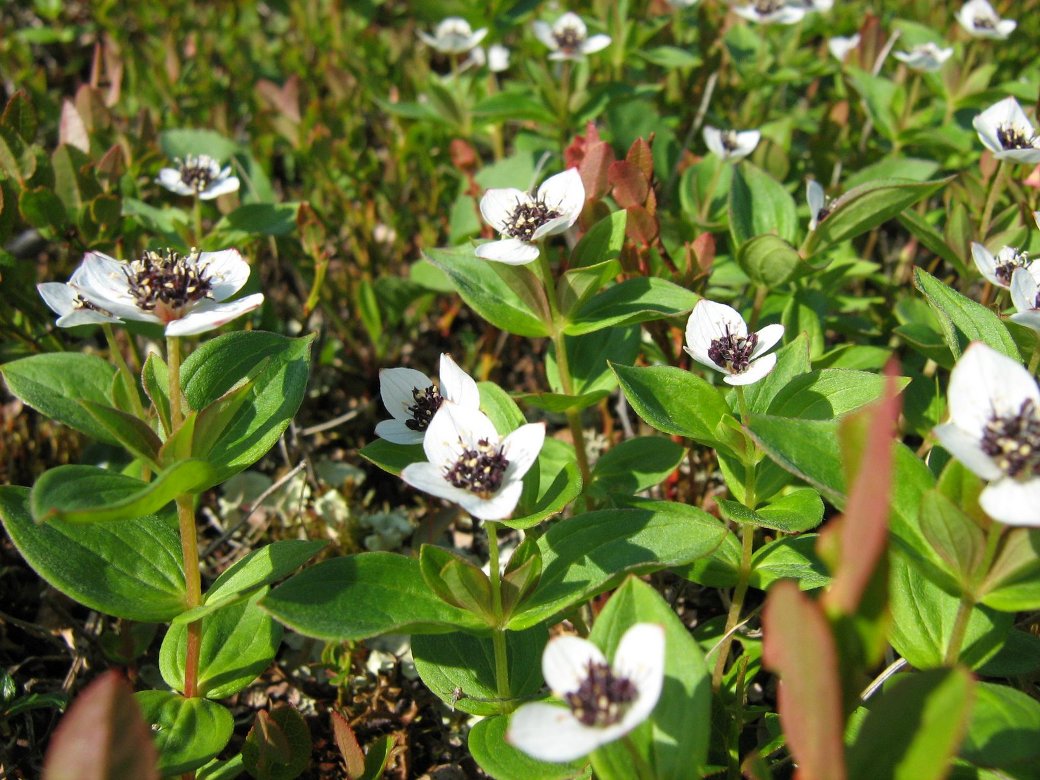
column 197, row 221
column 991, row 199
column 960, row 623
column 564, row 115
column 643, row 770
column 186, row 523
column 498, row 635
column 704, row 212
column 563, row 367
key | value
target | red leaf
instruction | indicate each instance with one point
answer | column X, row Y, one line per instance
column 71, row 128
column 798, row 645
column 704, row 250
column 103, row 736
column 578, row 148
column 641, row 156
column 630, row 186
column 640, row 227
column 353, row 755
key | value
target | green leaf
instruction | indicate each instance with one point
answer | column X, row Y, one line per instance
column 392, row 458
column 87, row 494
column 488, row 746
column 360, row 596
column 509, row 297
column 589, row 357
column 913, row 730
column 769, row 260
column 635, row 465
column 278, row 747
column 559, row 403
column 238, row 643
column 677, row 740
column 1013, row 582
column 258, row 219
column 923, row 616
column 829, row 393
column 789, row 558
column 792, row 360
column 42, row 209
column 673, row 401
column 54, row 383
column 557, row 483
column 603, row 241
column 500, row 408
column 1002, row 731
column 964, row 320
column 589, row 553
column 463, row 663
column 130, row 431
column 799, row 510
column 457, row 581
column 130, row 569
column 632, row 301
column 184, row 141
column 260, row 567
column 187, row 732
column 759, row 205
column 74, row 182
column 957, row 538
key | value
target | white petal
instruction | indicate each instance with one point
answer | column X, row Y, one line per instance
column 1005, row 27
column 767, row 337
column 477, row 37
column 985, row 383
column 565, row 193
column 453, row 428
column 816, row 198
column 1012, row 501
column 550, row 733
column 511, row 251
column 395, row 390
column 428, row 39
column 543, row 32
column 839, row 46
column 227, row 272
column 83, row 317
column 709, row 321
column 640, row 658
column 553, row 226
column 429, row 478
column 497, row 206
column 986, row 263
column 1025, row 284
column 713, row 140
column 521, row 449
column 170, row 178
column 60, row 297
column 746, row 143
column 565, row 663
column 595, row 43
column 456, row 385
column 224, row 186
column 571, row 21
column 1024, row 156
column 498, row 507
column 758, row 369
column 209, row 315
column 396, row 432
column 1028, row 319
column 964, row 446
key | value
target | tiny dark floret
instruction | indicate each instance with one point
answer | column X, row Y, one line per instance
column 569, row 39
column 427, row 402
column 167, row 281
column 733, row 352
column 1006, row 269
column 602, row 698
column 1013, row 441
column 527, row 218
column 197, row 172
column 480, row 470
column 1014, row 137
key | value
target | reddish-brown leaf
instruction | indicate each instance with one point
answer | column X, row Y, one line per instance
column 630, row 186
column 353, row 755
column 103, row 736
column 704, row 251
column 594, row 169
column 641, row 156
column 640, row 227
column 798, row 646
column 71, row 128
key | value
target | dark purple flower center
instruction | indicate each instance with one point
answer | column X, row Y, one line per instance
column 602, row 698
column 167, row 280
column 427, row 402
column 1013, row 441
column 527, row 217
column 733, row 352
column 1015, row 137
column 1008, row 260
column 480, row 470
column 569, row 38
column 984, row 22
column 767, row 7
column 197, row 172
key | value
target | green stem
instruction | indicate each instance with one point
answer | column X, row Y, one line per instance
column 188, row 533
column 563, row 366
column 960, row 622
column 704, row 212
column 564, row 111
column 498, row 635
column 643, row 770
column 991, row 199
column 197, row 220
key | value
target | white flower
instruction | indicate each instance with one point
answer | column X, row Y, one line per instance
column 470, row 465
column 412, row 399
column 819, row 6
column 927, row 57
column 604, row 702
column 1025, row 294
column 731, row 144
column 569, row 38
column 717, row 337
column 200, row 176
column 998, row 270
column 839, row 46
column 994, row 430
column 186, row 293
column 772, row 12
column 981, row 21
column 66, row 300
column 524, row 219
column 1005, row 130
column 819, row 205
column 453, row 36
column 496, row 58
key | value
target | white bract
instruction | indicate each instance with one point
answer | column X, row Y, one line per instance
column 524, row 219
column 66, row 300
column 773, row 12
column 186, row 293
column 496, row 58
column 731, row 144
column 412, row 399
column 819, row 206
column 839, row 46
column 1025, row 294
column 994, row 430
column 926, row 58
column 453, row 36
column 1005, row 130
column 200, row 176
column 471, row 465
column 568, row 38
column 999, row 269
column 717, row 337
column 981, row 21
column 604, row 701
